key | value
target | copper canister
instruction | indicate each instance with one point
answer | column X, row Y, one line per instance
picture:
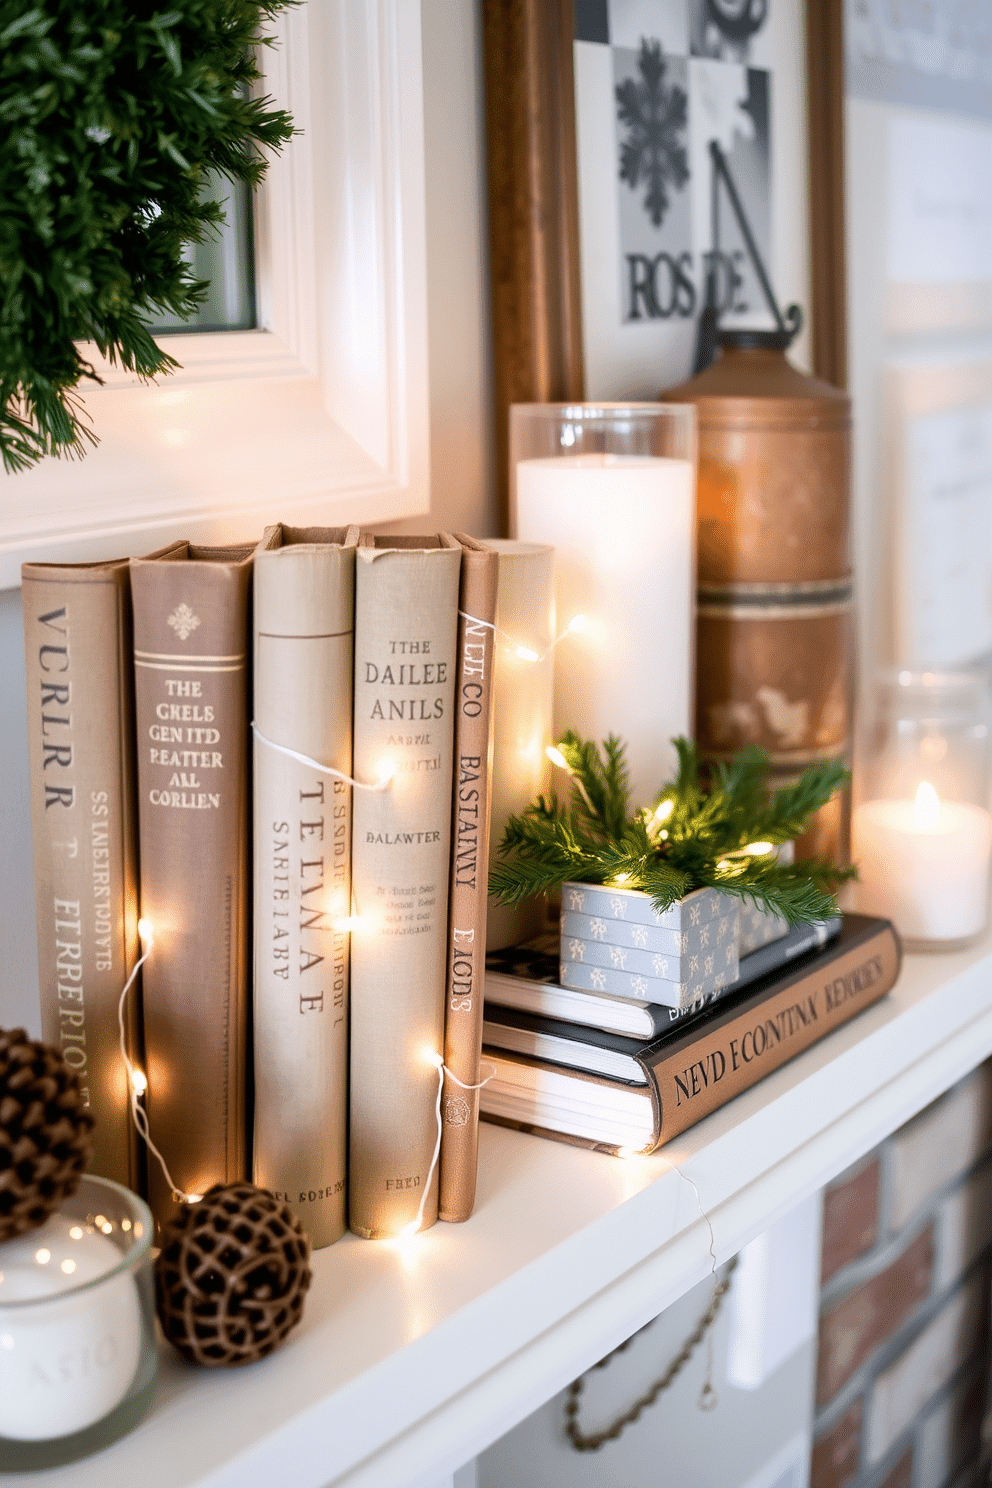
column 774, row 652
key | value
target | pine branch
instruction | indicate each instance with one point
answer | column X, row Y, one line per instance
column 689, row 838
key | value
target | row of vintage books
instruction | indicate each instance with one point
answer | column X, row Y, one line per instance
column 278, row 756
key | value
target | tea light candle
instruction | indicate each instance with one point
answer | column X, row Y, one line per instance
column 924, row 864
column 68, row 1350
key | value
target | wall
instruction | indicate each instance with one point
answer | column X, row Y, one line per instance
column 901, row 1373
column 463, row 495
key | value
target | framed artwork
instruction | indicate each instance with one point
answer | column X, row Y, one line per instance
column 644, row 156
column 319, row 413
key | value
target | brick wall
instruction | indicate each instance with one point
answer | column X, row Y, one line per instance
column 904, row 1302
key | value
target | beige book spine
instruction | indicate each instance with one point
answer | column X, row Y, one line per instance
column 406, row 623
column 469, row 880
column 191, row 671
column 304, row 617
column 77, row 641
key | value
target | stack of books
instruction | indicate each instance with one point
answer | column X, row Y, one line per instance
column 625, row 1074
column 278, row 756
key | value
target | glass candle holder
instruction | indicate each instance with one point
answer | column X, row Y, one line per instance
column 613, row 488
column 922, row 838
column 77, row 1329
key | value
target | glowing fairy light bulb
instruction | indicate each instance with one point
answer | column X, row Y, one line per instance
column 620, row 879
column 139, row 1081
column 758, row 849
column 578, row 625
column 146, row 933
column 525, row 653
column 662, row 812
column 385, row 773
column 556, row 757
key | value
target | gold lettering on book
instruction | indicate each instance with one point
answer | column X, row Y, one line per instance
column 70, row 986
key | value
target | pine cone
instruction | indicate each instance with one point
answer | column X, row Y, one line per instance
column 231, row 1275
column 45, row 1128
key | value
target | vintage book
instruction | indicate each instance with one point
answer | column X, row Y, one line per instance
column 656, row 1089
column 304, row 622
column 406, row 635
column 80, row 694
column 526, row 977
column 469, row 894
column 191, row 635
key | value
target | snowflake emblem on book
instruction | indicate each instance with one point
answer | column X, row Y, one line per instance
column 660, row 964
column 638, row 986
column 718, row 981
column 577, row 950
column 655, row 115
column 697, row 993
column 693, row 965
column 619, row 909
column 731, row 953
column 708, row 965
column 695, row 910
column 598, row 979
column 639, row 935
column 704, row 935
column 576, row 898
column 597, row 929
column 183, row 621
column 618, row 955
column 721, row 928
column 683, row 944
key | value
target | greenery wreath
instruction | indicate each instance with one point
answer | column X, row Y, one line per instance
column 111, row 116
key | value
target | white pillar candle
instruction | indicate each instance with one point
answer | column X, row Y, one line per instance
column 67, row 1356
column 623, row 527
column 924, row 864
column 523, row 694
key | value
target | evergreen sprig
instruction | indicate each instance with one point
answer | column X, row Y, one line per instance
column 111, row 117
column 693, row 835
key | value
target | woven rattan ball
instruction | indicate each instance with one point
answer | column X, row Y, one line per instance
column 231, row 1275
column 45, row 1132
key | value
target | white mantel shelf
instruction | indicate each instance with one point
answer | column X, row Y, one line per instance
column 411, row 1358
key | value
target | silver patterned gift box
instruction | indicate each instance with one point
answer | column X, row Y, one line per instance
column 615, row 941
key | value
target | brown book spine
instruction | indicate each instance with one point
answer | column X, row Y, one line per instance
column 695, row 1076
column 191, row 689
column 77, row 640
column 468, row 906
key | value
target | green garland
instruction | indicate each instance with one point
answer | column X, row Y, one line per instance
column 111, row 117
column 692, row 836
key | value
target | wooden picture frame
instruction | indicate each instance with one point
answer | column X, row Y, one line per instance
column 534, row 216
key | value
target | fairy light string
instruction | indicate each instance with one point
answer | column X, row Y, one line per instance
column 576, row 626
column 442, row 1069
column 137, row 1080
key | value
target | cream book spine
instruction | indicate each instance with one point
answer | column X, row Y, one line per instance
column 469, row 897
column 77, row 640
column 304, row 661
column 406, row 632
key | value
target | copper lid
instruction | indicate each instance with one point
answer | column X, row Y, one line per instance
column 756, row 386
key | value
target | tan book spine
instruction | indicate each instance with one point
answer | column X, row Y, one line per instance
column 406, row 633
column 469, row 895
column 304, row 620
column 737, row 1049
column 77, row 642
column 191, row 685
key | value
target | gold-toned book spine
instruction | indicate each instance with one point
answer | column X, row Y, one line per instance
column 191, row 638
column 304, row 621
column 406, row 633
column 469, row 879
column 77, row 642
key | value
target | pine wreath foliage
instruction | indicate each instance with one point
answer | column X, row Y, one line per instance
column 111, row 117
column 692, row 836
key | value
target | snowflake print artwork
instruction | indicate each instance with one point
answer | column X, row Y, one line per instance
column 651, row 91
column 656, row 116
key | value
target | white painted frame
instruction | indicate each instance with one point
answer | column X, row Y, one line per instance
column 321, row 415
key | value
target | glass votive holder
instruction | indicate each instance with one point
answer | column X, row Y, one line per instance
column 77, row 1329
column 922, row 835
